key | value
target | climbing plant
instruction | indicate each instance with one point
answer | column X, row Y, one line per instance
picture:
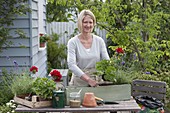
column 9, row 9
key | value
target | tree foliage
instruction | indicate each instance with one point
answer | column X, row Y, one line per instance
column 141, row 27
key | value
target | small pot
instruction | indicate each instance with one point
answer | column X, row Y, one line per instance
column 89, row 100
column 42, row 44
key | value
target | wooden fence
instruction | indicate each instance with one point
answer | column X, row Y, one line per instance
column 69, row 27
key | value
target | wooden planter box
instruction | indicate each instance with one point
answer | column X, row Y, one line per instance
column 31, row 104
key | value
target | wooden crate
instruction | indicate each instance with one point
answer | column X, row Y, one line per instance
column 31, row 104
column 107, row 93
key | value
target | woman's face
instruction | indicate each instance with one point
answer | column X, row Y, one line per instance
column 87, row 24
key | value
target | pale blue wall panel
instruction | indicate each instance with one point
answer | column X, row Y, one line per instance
column 40, row 61
column 39, row 58
column 9, row 61
column 39, row 55
column 24, row 16
column 22, row 42
column 44, row 23
column 34, row 14
column 30, row 55
column 26, row 31
column 44, row 9
column 35, row 5
column 35, row 32
column 43, row 71
column 42, row 66
column 35, row 50
column 20, row 23
column 44, row 16
column 34, row 41
column 34, row 23
column 15, row 52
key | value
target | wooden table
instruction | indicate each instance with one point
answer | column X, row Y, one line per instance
column 129, row 105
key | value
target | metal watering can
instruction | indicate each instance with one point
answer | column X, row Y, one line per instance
column 58, row 99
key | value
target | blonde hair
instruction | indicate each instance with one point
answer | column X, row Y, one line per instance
column 81, row 16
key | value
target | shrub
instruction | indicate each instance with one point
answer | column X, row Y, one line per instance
column 5, row 91
column 56, row 53
column 22, row 84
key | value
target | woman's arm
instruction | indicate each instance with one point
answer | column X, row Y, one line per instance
column 71, row 58
column 90, row 81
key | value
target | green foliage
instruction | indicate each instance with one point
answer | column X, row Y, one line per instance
column 115, row 72
column 56, row 53
column 64, row 9
column 5, row 91
column 44, row 87
column 8, row 107
column 8, row 11
column 16, row 84
column 44, row 38
column 22, row 84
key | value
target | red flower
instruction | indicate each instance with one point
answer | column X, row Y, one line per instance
column 119, row 50
column 34, row 69
column 56, row 75
column 41, row 34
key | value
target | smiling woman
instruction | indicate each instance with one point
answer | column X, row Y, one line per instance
column 84, row 50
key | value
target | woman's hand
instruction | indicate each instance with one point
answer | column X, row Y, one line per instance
column 90, row 81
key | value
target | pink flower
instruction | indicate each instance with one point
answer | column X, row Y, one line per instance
column 41, row 34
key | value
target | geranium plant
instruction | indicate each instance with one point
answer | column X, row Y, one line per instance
column 43, row 87
column 56, row 75
column 114, row 70
column 43, row 39
column 33, row 69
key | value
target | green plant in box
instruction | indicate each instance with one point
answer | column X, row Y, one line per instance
column 22, row 84
column 115, row 70
column 43, row 87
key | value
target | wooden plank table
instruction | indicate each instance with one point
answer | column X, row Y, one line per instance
column 129, row 105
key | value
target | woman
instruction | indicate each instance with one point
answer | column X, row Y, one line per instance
column 84, row 51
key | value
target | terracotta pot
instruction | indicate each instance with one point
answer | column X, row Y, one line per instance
column 42, row 44
column 89, row 100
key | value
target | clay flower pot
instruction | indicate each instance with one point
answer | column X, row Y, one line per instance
column 42, row 44
column 89, row 100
